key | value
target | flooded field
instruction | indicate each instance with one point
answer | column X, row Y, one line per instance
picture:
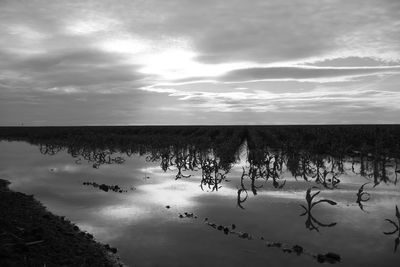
column 219, row 196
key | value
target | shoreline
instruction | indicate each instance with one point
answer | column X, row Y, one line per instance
column 32, row 236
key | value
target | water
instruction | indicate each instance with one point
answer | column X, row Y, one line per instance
column 147, row 233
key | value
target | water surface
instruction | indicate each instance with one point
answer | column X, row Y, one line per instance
column 136, row 200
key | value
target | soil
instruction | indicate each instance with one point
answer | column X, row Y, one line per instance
column 32, row 236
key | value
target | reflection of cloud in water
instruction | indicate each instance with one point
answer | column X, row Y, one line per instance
column 151, row 170
column 147, row 200
column 68, row 168
column 180, row 193
column 127, row 211
column 283, row 194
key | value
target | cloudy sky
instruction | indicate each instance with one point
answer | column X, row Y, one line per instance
column 199, row 62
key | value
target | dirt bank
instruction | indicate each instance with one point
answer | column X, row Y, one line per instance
column 32, row 236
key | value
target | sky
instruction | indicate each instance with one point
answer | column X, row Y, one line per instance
column 158, row 62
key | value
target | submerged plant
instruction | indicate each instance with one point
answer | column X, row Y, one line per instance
column 362, row 196
column 396, row 229
column 311, row 221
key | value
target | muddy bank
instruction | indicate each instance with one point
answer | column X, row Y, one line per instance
column 32, row 236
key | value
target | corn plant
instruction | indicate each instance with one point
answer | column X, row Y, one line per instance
column 396, row 229
column 311, row 222
column 243, row 189
column 362, row 196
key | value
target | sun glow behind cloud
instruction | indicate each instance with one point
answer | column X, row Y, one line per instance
column 127, row 46
column 169, row 60
column 174, row 64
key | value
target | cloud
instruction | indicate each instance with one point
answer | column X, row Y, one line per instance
column 201, row 54
column 306, row 73
column 322, row 100
column 272, row 31
column 75, row 67
column 351, row 61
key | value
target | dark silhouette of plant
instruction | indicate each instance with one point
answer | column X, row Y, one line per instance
column 243, row 189
column 362, row 196
column 317, row 154
column 107, row 188
column 181, row 164
column 396, row 229
column 305, row 168
column 319, row 166
column 254, row 173
column 275, row 170
column 396, row 171
column 211, row 175
column 311, row 221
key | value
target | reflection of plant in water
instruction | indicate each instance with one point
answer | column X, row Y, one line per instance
column 319, row 166
column 311, row 153
column 396, row 230
column 300, row 166
column 306, row 151
column 311, row 220
column 179, row 157
column 362, row 196
column 191, row 158
column 241, row 190
column 376, row 167
column 323, row 169
column 327, row 177
column 323, row 176
column 275, row 170
column 50, row 149
column 96, row 156
column 396, row 170
column 265, row 164
column 211, row 175
column 253, row 174
column 181, row 164
column 330, row 179
column 165, row 157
